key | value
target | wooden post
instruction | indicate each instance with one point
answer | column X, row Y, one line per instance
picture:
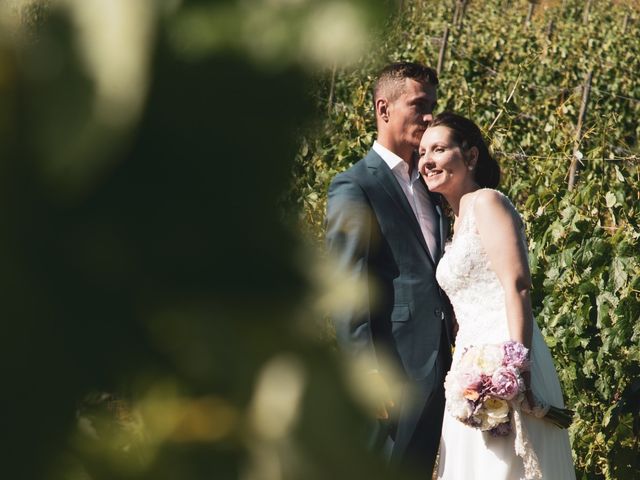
column 443, row 49
column 456, row 14
column 625, row 23
column 461, row 9
column 460, row 13
column 550, row 29
column 549, row 34
column 332, row 88
column 532, row 7
column 585, row 12
column 586, row 90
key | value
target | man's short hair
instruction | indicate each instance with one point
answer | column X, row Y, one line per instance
column 390, row 82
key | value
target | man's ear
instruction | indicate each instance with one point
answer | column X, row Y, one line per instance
column 382, row 109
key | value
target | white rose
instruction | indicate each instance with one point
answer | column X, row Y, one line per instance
column 460, row 408
column 490, row 359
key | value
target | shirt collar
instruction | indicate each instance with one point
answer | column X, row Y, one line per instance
column 393, row 161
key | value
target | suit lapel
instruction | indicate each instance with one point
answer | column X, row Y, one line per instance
column 443, row 221
column 388, row 181
column 442, row 229
column 441, row 218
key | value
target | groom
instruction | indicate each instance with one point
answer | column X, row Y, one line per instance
column 387, row 231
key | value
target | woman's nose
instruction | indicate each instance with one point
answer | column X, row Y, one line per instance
column 425, row 163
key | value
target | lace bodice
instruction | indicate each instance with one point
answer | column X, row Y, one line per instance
column 465, row 274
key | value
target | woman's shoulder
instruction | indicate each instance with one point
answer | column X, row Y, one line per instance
column 488, row 201
column 489, row 198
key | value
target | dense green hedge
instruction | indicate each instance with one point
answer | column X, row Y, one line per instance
column 524, row 89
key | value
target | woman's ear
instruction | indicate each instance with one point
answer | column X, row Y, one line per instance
column 472, row 157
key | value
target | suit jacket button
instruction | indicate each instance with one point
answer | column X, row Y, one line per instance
column 437, row 312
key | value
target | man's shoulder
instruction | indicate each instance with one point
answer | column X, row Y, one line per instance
column 354, row 172
column 360, row 169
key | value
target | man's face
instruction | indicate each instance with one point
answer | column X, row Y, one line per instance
column 411, row 112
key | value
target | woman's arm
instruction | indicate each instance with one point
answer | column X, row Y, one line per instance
column 499, row 229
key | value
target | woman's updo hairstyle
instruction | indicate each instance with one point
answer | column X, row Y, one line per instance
column 466, row 134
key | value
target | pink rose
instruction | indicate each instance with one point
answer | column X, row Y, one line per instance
column 506, row 383
column 515, row 355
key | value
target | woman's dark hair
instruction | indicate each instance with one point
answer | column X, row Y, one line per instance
column 466, row 134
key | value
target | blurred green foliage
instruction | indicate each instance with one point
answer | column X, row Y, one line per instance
column 157, row 310
column 523, row 86
column 160, row 318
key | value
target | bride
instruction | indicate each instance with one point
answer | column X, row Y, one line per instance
column 485, row 273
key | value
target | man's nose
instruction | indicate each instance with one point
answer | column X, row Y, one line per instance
column 427, row 117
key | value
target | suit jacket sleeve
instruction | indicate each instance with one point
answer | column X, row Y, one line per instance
column 349, row 224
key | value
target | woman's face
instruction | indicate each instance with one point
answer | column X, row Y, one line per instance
column 443, row 164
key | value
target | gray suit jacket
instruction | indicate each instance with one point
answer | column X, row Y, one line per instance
column 374, row 234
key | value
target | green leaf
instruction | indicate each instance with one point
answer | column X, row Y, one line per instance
column 619, row 274
column 619, row 175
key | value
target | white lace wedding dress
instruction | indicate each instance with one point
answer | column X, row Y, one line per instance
column 465, row 274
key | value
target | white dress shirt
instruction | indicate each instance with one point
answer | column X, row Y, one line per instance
column 417, row 197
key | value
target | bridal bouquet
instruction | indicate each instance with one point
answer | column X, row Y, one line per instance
column 486, row 385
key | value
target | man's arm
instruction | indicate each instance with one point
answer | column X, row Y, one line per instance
column 349, row 221
column 349, row 224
